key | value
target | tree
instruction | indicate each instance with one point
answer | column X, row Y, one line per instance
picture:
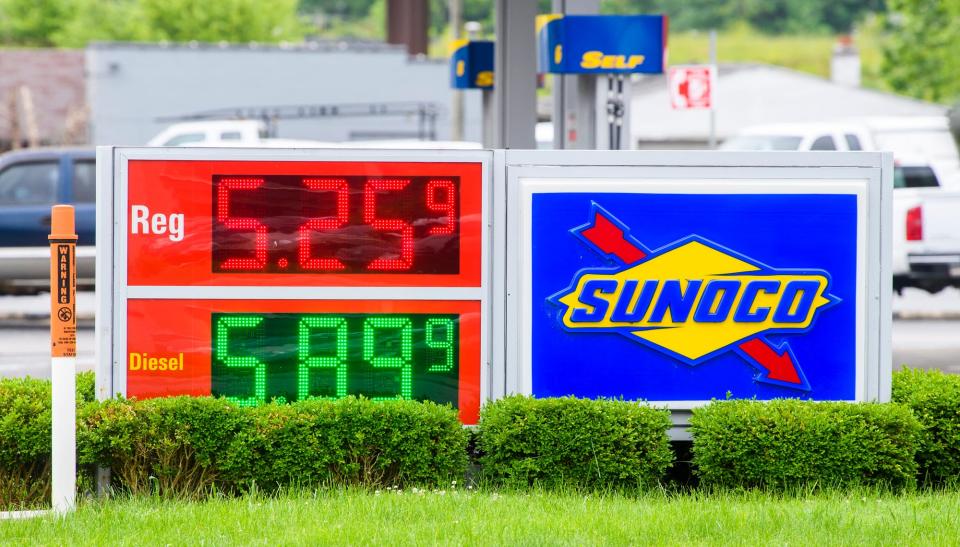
column 102, row 20
column 347, row 9
column 178, row 21
column 30, row 22
column 922, row 56
column 770, row 16
column 230, row 20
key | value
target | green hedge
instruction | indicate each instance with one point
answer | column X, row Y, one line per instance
column 25, row 438
column 349, row 441
column 167, row 446
column 24, row 441
column 190, row 446
column 788, row 443
column 573, row 442
column 186, row 446
column 86, row 387
column 934, row 398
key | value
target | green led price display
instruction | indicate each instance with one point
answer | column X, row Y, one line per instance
column 292, row 357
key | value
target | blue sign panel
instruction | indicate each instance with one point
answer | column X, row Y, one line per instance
column 471, row 65
column 601, row 44
column 689, row 297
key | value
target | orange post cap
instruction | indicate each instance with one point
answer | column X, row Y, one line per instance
column 62, row 224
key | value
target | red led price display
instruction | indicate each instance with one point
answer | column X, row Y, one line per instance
column 336, row 224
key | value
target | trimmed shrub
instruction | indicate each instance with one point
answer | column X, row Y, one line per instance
column 186, row 446
column 165, row 446
column 86, row 387
column 351, row 441
column 25, row 438
column 934, row 398
column 788, row 443
column 573, row 442
column 24, row 442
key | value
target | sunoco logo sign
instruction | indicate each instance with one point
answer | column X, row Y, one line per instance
column 693, row 299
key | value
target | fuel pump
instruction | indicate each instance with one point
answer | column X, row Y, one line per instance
column 601, row 52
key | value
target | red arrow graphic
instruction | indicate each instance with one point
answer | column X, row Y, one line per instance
column 609, row 238
column 776, row 365
column 780, row 367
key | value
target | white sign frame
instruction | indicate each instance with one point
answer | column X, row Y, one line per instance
column 869, row 175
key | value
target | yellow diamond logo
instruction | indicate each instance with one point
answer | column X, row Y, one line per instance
column 694, row 299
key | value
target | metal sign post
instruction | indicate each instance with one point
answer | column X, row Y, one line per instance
column 515, row 94
column 713, row 90
column 574, row 95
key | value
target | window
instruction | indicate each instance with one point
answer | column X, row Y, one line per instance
column 853, row 143
column 824, row 143
column 84, row 181
column 914, row 177
column 230, row 136
column 29, row 183
column 186, row 138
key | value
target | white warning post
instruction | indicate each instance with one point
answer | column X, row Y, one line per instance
column 63, row 356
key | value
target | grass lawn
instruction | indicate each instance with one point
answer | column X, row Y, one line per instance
column 460, row 517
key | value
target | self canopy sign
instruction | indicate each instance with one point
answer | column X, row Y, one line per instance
column 471, row 64
column 261, row 275
column 678, row 278
column 601, row 44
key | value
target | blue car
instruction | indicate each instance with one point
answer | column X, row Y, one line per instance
column 30, row 182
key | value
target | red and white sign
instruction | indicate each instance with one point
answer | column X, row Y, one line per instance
column 266, row 275
column 692, row 86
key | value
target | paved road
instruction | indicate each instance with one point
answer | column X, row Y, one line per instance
column 927, row 343
column 26, row 351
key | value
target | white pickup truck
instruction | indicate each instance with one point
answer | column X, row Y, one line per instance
column 227, row 133
column 926, row 230
column 253, row 133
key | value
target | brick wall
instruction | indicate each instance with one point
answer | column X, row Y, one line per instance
column 55, row 78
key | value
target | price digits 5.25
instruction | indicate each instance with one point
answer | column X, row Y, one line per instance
column 335, row 224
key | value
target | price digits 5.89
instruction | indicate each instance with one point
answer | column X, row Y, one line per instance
column 292, row 357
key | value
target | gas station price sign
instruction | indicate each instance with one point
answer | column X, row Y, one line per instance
column 282, row 275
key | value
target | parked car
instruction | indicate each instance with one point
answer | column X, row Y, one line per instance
column 905, row 136
column 30, row 182
column 211, row 133
column 926, row 229
column 227, row 133
column 801, row 136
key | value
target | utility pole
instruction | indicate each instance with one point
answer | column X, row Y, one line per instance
column 515, row 74
column 456, row 27
column 574, row 95
column 713, row 92
column 407, row 24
